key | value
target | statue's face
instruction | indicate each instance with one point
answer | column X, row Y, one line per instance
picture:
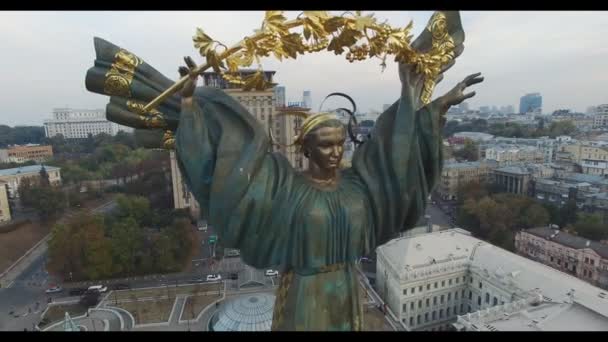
column 326, row 147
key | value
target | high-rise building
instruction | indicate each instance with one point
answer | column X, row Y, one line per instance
column 279, row 96
column 600, row 116
column 531, row 103
column 79, row 123
column 307, row 99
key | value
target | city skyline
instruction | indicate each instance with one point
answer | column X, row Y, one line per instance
column 560, row 56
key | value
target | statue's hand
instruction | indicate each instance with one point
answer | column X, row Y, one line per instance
column 188, row 88
column 457, row 95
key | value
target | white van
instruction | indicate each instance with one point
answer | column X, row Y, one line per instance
column 98, row 288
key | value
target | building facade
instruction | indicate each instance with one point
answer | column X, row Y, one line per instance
column 307, row 98
column 455, row 175
column 600, row 116
column 79, row 123
column 531, row 103
column 182, row 197
column 506, row 155
column 5, row 209
column 438, row 281
column 21, row 154
column 580, row 257
column 13, row 177
column 513, row 179
column 280, row 96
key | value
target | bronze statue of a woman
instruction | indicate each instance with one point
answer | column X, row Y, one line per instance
column 314, row 224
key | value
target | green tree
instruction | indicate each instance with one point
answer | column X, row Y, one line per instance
column 163, row 254
column 469, row 152
column 535, row 215
column 133, row 206
column 97, row 249
column 49, row 202
column 126, row 240
column 590, row 226
column 44, row 177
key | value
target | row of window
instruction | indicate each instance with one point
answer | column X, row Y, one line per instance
column 435, row 285
column 442, row 300
column 437, row 315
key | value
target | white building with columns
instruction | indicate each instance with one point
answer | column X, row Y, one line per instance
column 79, row 123
column 443, row 280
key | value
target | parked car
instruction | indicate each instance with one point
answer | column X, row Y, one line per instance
column 272, row 273
column 197, row 280
column 77, row 292
column 232, row 252
column 366, row 260
column 202, row 227
column 98, row 288
column 214, row 277
column 54, row 289
column 121, row 287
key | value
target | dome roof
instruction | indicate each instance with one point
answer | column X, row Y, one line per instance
column 252, row 312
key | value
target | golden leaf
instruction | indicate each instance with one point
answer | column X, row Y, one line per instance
column 292, row 45
column 333, row 24
column 202, row 42
column 255, row 81
column 313, row 21
column 362, row 22
column 346, row 38
column 274, row 22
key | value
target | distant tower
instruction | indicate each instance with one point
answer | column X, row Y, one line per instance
column 307, row 99
column 530, row 103
column 279, row 95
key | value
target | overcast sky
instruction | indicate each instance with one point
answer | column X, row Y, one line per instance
column 45, row 56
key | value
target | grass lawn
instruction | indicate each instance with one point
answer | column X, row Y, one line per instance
column 56, row 313
column 171, row 291
column 13, row 245
column 149, row 311
column 195, row 304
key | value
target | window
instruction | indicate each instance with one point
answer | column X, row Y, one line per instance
column 435, row 286
column 426, row 317
column 559, row 261
column 470, row 295
column 455, row 310
column 435, row 300
column 443, row 283
column 449, row 296
column 428, row 302
column 456, row 295
column 495, row 301
column 462, row 293
column 405, row 292
column 487, row 298
column 450, row 282
column 457, row 280
column 480, row 285
column 447, row 312
column 413, row 290
column 434, row 315
column 468, row 308
column 412, row 320
column 552, row 259
column 461, row 308
column 592, row 262
column 411, row 305
column 471, row 280
column 428, row 287
column 479, row 300
column 404, row 307
column 420, row 289
column 442, row 297
column 418, row 319
column 441, row 313
column 420, row 304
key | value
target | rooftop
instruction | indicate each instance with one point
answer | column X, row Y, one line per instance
column 245, row 313
column 519, row 170
column 569, row 240
column 26, row 169
column 523, row 276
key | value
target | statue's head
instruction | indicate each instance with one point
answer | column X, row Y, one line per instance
column 323, row 143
